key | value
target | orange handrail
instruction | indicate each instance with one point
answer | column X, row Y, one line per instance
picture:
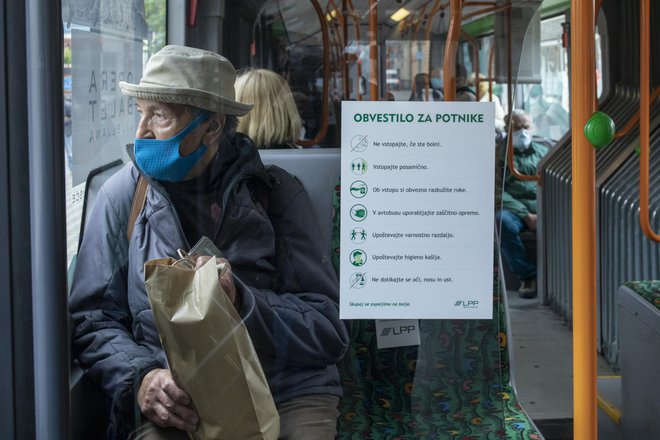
column 644, row 118
column 509, row 62
column 475, row 47
column 635, row 118
column 334, row 16
column 326, row 73
column 449, row 64
column 420, row 17
column 373, row 48
column 585, row 426
column 356, row 24
column 477, row 3
column 418, row 24
column 437, row 7
column 488, row 10
column 344, row 59
column 336, row 22
column 512, row 167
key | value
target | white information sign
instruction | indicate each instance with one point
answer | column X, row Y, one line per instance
column 417, row 210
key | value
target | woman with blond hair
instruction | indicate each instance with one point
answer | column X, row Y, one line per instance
column 274, row 121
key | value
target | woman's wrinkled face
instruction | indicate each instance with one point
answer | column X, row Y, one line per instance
column 160, row 120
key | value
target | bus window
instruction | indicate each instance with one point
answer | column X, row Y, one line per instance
column 548, row 102
column 103, row 45
column 405, row 60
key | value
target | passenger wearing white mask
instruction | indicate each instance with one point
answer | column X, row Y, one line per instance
column 518, row 206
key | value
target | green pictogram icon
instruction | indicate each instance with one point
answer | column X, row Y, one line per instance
column 358, row 257
column 359, row 143
column 358, row 280
column 358, row 212
column 358, row 235
column 359, row 166
column 359, row 189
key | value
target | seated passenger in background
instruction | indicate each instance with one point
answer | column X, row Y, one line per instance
column 463, row 91
column 205, row 180
column 274, row 122
column 518, row 206
column 436, row 84
column 309, row 126
column 420, row 86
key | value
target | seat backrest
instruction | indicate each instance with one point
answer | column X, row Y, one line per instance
column 95, row 180
column 318, row 170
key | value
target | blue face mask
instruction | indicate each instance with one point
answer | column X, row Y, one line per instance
column 436, row 83
column 160, row 159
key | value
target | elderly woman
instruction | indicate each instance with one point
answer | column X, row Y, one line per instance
column 205, row 180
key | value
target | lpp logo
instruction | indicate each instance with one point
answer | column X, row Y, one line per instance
column 471, row 304
column 403, row 329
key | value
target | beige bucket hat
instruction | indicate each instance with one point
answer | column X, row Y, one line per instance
column 186, row 75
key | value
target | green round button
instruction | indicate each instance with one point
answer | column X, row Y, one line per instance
column 599, row 129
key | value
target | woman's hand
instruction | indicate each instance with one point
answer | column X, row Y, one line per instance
column 226, row 279
column 164, row 403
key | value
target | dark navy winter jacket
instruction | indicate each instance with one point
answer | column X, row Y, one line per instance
column 268, row 233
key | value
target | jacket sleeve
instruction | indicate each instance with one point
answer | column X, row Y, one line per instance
column 514, row 205
column 300, row 324
column 102, row 339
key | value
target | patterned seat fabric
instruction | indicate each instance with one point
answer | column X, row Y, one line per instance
column 455, row 385
column 649, row 290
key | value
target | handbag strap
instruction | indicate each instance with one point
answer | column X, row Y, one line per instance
column 139, row 197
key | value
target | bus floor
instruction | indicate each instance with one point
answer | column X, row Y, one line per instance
column 542, row 365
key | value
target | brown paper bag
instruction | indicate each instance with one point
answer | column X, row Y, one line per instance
column 210, row 353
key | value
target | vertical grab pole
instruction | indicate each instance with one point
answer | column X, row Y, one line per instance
column 373, row 48
column 644, row 113
column 449, row 64
column 326, row 75
column 344, row 58
column 583, row 222
column 47, row 219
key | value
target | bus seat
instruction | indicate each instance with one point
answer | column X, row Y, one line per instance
column 318, row 170
column 424, row 391
column 638, row 307
column 95, row 180
column 87, row 401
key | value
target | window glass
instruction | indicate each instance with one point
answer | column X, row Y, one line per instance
column 407, row 63
column 104, row 43
column 548, row 103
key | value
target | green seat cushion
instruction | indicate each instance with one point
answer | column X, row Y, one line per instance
column 649, row 290
column 454, row 385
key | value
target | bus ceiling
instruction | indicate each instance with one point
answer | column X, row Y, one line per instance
column 396, row 18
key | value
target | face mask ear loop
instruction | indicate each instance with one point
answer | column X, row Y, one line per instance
column 196, row 122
